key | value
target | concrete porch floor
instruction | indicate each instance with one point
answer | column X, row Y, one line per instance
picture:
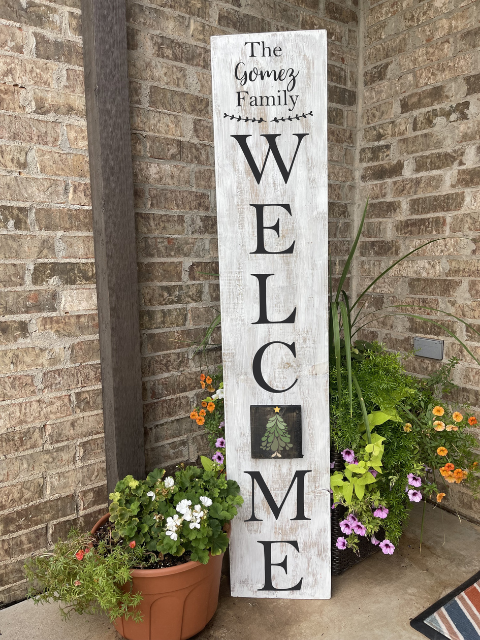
column 373, row 601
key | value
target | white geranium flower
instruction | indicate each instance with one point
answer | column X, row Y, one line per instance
column 169, row 482
column 220, row 393
column 206, row 501
column 194, row 525
column 214, row 397
column 188, row 516
column 197, row 511
column 151, row 495
column 183, row 505
column 172, row 535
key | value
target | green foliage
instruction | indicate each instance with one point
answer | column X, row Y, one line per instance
column 149, row 511
column 88, row 582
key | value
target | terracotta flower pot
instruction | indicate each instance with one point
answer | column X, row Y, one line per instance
column 177, row 602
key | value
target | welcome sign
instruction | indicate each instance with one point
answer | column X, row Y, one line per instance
column 270, row 125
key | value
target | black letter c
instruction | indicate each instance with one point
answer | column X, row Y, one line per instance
column 257, row 367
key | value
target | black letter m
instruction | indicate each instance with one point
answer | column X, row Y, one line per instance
column 272, row 146
column 299, row 476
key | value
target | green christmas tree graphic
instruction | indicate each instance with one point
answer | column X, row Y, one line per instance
column 276, row 436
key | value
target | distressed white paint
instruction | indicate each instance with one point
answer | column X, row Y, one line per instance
column 300, row 281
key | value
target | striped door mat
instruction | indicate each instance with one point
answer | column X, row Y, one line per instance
column 456, row 616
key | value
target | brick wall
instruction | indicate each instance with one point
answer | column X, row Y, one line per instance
column 52, row 471
column 419, row 162
column 175, row 201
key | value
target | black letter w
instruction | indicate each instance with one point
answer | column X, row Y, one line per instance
column 272, row 146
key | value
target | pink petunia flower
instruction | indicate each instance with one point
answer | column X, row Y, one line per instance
column 218, row 457
column 220, row 443
column 346, row 527
column 359, row 529
column 374, row 541
column 414, row 495
column 341, row 543
column 387, row 547
column 381, row 512
column 414, row 481
column 352, row 518
column 348, row 455
column 373, row 472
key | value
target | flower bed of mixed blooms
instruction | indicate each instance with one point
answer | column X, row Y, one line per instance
column 417, row 443
column 211, row 414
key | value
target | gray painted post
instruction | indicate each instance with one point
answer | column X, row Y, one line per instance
column 273, row 283
column 111, row 178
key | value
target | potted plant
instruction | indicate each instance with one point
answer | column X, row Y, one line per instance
column 153, row 564
column 394, row 436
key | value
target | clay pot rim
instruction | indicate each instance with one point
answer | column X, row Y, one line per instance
column 155, row 573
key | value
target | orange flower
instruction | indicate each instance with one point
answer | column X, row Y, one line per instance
column 200, row 420
column 202, row 377
column 475, row 464
column 449, row 466
column 202, row 384
column 407, row 427
column 211, row 406
column 458, row 473
column 204, row 403
column 472, row 420
column 208, row 380
column 455, row 428
column 202, row 413
column 438, row 411
column 451, row 427
column 194, row 415
column 439, row 425
column 450, row 478
column 457, row 416
column 440, row 497
column 444, row 471
column 210, row 388
column 442, row 451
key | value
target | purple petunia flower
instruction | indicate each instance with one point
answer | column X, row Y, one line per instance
column 381, row 512
column 220, row 443
column 218, row 457
column 387, row 547
column 373, row 472
column 414, row 481
column 374, row 541
column 332, row 465
column 359, row 529
column 348, row 455
column 341, row 543
column 221, row 425
column 352, row 518
column 414, row 495
column 346, row 527
column 355, row 461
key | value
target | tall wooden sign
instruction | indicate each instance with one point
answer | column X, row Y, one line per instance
column 270, row 124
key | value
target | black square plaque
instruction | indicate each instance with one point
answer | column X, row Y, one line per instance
column 276, row 431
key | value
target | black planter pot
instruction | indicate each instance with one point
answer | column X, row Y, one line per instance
column 346, row 558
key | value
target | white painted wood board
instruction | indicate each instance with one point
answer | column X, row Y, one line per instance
column 299, row 281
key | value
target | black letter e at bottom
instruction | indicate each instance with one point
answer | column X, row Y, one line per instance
column 267, row 551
